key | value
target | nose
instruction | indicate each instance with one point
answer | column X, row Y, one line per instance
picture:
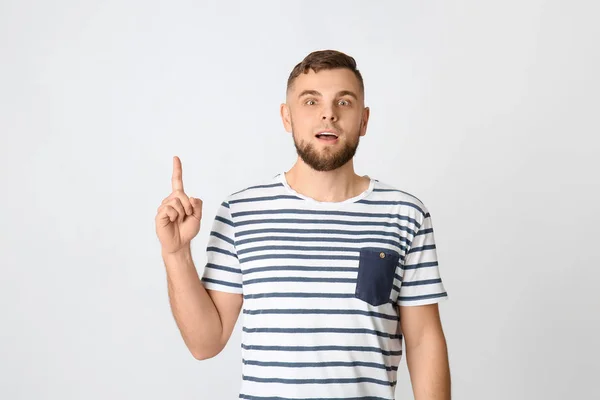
column 329, row 114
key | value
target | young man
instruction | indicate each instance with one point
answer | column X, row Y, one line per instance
column 334, row 270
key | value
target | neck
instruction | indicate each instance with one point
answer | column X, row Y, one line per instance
column 327, row 186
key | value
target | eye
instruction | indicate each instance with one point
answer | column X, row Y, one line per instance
column 343, row 103
column 310, row 102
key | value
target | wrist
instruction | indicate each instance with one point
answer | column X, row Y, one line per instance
column 183, row 254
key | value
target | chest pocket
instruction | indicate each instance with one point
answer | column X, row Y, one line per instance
column 375, row 278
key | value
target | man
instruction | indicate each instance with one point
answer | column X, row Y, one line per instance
column 334, row 270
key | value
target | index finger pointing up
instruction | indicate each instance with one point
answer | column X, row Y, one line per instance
column 176, row 180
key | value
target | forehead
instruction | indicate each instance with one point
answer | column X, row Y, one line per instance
column 326, row 81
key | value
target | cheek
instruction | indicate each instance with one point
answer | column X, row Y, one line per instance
column 302, row 129
column 302, row 120
column 306, row 112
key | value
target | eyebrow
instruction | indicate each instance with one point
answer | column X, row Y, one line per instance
column 338, row 94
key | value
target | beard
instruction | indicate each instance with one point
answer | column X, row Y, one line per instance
column 328, row 159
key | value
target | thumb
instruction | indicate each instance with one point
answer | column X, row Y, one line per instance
column 197, row 207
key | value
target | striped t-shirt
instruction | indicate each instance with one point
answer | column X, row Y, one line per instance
column 321, row 283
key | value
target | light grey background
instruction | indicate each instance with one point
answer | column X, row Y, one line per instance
column 487, row 111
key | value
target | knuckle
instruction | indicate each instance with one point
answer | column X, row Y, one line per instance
column 180, row 195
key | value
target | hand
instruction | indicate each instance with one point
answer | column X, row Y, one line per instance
column 178, row 217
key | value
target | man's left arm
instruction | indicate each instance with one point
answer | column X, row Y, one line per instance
column 426, row 351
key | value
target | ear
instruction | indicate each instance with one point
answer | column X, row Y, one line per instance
column 284, row 110
column 364, row 121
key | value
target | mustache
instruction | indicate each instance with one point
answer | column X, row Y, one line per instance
column 330, row 127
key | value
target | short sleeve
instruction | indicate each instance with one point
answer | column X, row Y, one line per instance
column 222, row 271
column 421, row 281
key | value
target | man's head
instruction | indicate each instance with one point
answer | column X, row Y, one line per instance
column 324, row 99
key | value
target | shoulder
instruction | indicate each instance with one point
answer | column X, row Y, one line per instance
column 270, row 186
column 385, row 192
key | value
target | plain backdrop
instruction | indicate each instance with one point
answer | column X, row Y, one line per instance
column 486, row 111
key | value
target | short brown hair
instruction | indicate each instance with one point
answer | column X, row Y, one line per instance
column 325, row 59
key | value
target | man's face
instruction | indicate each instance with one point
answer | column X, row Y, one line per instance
column 325, row 113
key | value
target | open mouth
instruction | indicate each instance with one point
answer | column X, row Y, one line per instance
column 327, row 136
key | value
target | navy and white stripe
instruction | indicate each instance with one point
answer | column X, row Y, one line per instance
column 295, row 261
